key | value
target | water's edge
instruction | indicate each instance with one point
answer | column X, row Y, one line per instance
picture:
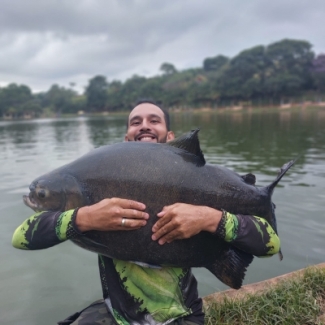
column 257, row 287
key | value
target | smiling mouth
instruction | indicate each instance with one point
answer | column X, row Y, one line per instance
column 146, row 138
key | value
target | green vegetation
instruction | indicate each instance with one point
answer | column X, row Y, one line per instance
column 282, row 72
column 299, row 300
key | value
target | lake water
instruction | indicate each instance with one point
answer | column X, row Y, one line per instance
column 41, row 287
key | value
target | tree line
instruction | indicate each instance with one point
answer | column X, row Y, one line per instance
column 263, row 75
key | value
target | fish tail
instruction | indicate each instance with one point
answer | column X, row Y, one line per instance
column 281, row 173
column 270, row 190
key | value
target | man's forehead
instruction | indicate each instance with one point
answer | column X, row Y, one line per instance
column 146, row 109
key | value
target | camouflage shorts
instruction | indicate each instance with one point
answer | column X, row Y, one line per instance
column 97, row 313
column 94, row 314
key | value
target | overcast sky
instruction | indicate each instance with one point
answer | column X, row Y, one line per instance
column 46, row 42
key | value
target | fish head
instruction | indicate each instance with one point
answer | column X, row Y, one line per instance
column 54, row 193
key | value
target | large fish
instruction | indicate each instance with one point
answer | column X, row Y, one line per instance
column 158, row 175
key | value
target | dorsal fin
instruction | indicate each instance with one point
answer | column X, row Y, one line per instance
column 189, row 142
column 249, row 179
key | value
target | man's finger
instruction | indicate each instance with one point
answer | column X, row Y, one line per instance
column 168, row 228
column 131, row 224
column 161, row 223
column 129, row 204
column 168, row 238
column 135, row 214
column 166, row 210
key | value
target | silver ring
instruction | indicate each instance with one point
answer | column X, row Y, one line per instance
column 123, row 222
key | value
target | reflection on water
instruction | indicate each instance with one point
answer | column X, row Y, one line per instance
column 50, row 284
column 262, row 141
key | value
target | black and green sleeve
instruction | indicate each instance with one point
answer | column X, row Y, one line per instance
column 45, row 229
column 251, row 234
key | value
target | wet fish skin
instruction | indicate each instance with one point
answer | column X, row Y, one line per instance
column 157, row 175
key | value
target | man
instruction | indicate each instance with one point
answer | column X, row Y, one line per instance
column 134, row 294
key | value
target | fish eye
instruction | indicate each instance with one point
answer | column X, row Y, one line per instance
column 41, row 194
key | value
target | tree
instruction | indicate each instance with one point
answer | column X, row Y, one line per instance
column 291, row 55
column 215, row 63
column 168, row 68
column 290, row 60
column 130, row 91
column 59, row 99
column 243, row 77
column 318, row 72
column 17, row 100
column 97, row 93
column 114, row 97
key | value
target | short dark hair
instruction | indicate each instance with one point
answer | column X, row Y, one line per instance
column 150, row 101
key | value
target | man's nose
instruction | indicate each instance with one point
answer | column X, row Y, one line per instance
column 145, row 125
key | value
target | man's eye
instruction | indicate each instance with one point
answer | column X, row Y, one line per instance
column 154, row 121
column 135, row 123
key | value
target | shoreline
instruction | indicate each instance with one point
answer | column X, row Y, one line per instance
column 173, row 110
column 256, row 288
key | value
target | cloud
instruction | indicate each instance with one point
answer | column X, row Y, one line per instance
column 58, row 41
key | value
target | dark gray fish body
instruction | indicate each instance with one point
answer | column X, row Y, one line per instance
column 157, row 175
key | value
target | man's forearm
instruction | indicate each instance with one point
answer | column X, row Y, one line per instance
column 43, row 230
column 251, row 234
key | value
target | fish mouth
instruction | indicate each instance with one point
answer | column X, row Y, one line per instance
column 146, row 137
column 31, row 203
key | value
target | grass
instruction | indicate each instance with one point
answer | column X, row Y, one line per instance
column 299, row 300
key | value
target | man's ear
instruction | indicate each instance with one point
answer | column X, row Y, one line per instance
column 170, row 136
column 126, row 138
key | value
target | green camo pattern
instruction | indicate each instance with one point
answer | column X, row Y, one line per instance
column 157, row 290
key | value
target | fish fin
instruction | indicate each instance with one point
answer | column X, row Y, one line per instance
column 249, row 179
column 230, row 267
column 271, row 219
column 189, row 142
column 281, row 173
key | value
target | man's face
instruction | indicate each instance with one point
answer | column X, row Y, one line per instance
column 147, row 124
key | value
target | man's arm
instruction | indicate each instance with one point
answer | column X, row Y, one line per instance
column 46, row 229
column 43, row 230
column 251, row 234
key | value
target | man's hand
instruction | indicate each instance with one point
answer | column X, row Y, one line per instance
column 109, row 214
column 179, row 221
